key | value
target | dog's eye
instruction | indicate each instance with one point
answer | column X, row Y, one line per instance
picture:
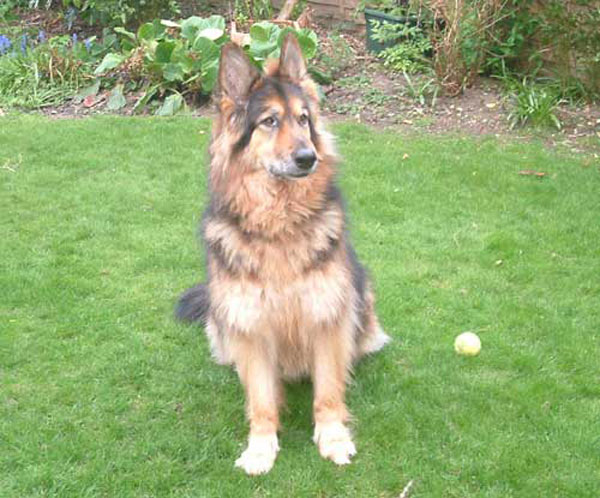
column 303, row 119
column 269, row 122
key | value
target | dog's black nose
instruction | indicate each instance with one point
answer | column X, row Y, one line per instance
column 305, row 158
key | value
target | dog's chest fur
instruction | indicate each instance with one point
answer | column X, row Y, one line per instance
column 286, row 287
column 278, row 277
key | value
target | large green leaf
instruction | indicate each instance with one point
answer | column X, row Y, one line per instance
column 146, row 32
column 170, row 24
column 145, row 98
column 124, row 32
column 207, row 49
column 263, row 40
column 171, row 106
column 211, row 33
column 109, row 62
column 116, row 99
column 209, row 53
column 308, row 41
column 210, row 72
column 182, row 56
column 264, row 31
column 88, row 91
column 164, row 49
column 173, row 71
column 192, row 26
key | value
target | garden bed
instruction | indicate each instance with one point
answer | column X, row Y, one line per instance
column 363, row 89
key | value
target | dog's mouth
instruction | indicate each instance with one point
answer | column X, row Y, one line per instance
column 289, row 171
column 299, row 174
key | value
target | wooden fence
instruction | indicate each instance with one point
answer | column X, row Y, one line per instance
column 334, row 11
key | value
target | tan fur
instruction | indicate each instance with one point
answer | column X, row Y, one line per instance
column 282, row 299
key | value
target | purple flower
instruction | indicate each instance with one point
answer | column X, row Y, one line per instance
column 88, row 44
column 5, row 44
column 74, row 38
column 41, row 36
column 24, row 43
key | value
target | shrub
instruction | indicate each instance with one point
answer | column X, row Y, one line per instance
column 570, row 32
column 508, row 38
column 332, row 60
column 462, row 30
column 245, row 10
column 408, row 54
column 522, row 38
column 113, row 12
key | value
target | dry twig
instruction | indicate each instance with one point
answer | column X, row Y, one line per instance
column 406, row 489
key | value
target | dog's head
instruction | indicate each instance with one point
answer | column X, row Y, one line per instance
column 271, row 117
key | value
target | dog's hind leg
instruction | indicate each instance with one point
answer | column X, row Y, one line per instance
column 256, row 366
column 332, row 357
column 371, row 337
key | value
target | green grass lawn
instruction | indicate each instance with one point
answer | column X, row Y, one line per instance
column 102, row 393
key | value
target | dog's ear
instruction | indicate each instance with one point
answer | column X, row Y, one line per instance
column 291, row 62
column 236, row 73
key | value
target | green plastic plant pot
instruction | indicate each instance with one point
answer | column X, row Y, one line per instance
column 375, row 46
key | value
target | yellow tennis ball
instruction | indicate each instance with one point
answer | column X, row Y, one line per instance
column 467, row 344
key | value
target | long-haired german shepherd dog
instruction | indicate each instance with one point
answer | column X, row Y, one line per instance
column 285, row 295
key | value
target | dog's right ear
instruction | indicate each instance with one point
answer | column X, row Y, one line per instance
column 237, row 74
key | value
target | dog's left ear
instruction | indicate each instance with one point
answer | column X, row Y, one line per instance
column 291, row 62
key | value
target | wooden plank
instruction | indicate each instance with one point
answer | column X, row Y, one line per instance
column 339, row 10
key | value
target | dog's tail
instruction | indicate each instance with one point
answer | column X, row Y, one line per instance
column 193, row 305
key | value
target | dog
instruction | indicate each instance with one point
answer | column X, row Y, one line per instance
column 285, row 295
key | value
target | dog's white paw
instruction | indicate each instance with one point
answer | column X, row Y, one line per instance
column 374, row 342
column 334, row 442
column 259, row 456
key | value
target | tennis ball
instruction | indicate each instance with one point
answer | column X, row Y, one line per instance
column 467, row 344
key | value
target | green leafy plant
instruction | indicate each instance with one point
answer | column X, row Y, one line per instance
column 397, row 8
column 179, row 59
column 534, row 104
column 517, row 39
column 123, row 12
column 422, row 89
column 338, row 57
column 7, row 8
column 571, row 33
column 44, row 73
column 245, row 10
column 168, row 58
column 508, row 50
column 266, row 39
column 410, row 46
column 356, row 81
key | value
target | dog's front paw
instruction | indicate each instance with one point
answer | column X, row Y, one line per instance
column 334, row 442
column 259, row 456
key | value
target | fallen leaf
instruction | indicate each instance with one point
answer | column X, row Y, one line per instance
column 531, row 172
